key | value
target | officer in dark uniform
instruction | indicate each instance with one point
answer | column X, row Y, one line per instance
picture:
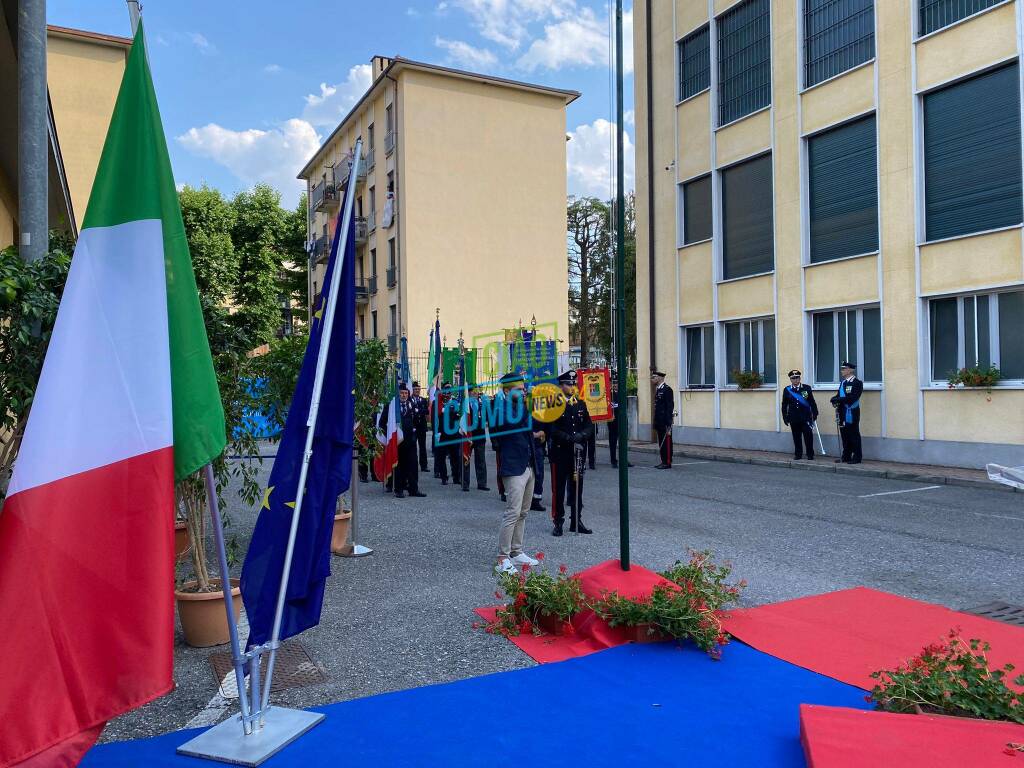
column 567, row 449
column 847, row 404
column 449, row 452
column 613, row 423
column 420, row 408
column 799, row 412
column 664, row 411
column 406, row 476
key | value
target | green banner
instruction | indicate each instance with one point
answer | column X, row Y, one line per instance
column 450, row 365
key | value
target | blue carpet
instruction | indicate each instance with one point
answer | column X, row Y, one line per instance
column 659, row 704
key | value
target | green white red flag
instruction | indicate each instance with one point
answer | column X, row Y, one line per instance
column 127, row 403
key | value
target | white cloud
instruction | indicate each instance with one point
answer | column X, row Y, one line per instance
column 466, row 56
column 272, row 156
column 580, row 41
column 272, row 69
column 205, row 46
column 506, row 22
column 590, row 159
column 334, row 101
column 629, row 117
column 410, row 11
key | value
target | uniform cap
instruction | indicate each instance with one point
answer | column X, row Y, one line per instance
column 402, row 387
column 848, row 364
column 567, row 377
column 511, row 378
column 415, row 383
column 794, row 372
column 658, row 373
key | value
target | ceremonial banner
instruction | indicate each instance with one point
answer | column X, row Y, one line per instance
column 594, row 385
column 452, row 361
column 127, row 402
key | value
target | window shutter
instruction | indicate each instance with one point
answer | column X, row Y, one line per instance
column 838, row 35
column 843, row 191
column 748, row 239
column 694, row 63
column 936, row 14
column 697, row 210
column 744, row 60
column 972, row 155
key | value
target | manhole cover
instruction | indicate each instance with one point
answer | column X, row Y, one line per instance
column 1010, row 614
column 293, row 669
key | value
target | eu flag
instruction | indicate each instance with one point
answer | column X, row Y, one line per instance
column 330, row 470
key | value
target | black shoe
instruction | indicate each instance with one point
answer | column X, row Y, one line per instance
column 798, row 458
column 465, row 489
column 399, row 494
column 502, row 497
column 418, row 495
column 593, row 466
column 482, row 488
column 557, row 530
column 444, row 481
column 364, row 480
column 615, row 463
column 581, row 528
column 536, row 506
column 810, row 458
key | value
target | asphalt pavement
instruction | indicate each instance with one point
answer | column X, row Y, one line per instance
column 402, row 617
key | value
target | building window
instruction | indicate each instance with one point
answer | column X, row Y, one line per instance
column 936, row 14
column 373, row 262
column 747, row 226
column 389, row 118
column 972, row 155
column 393, row 309
column 853, row 335
column 391, row 253
column 362, row 326
column 978, row 330
column 369, row 136
column 744, row 60
column 373, row 200
column 838, row 35
column 700, row 357
column 373, row 322
column 750, row 346
column 694, row 63
column 843, row 191
column 697, row 210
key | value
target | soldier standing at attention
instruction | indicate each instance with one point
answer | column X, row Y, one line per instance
column 799, row 412
column 569, row 435
column 420, row 408
column 407, row 475
column 847, row 404
column 664, row 409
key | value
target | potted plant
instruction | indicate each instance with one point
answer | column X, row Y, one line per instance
column 974, row 377
column 342, row 524
column 747, row 379
column 541, row 603
column 950, row 677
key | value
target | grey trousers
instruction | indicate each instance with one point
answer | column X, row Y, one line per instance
column 519, row 493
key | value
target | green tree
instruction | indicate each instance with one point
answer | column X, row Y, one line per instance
column 258, row 234
column 209, row 220
column 294, row 274
column 589, row 263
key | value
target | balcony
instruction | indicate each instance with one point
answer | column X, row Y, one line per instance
column 362, row 290
column 371, row 285
column 393, row 343
column 389, row 142
column 322, row 195
column 321, row 249
column 392, row 276
column 361, row 230
column 343, row 170
column 370, row 159
column 371, row 221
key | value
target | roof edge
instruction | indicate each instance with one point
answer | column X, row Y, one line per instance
column 93, row 37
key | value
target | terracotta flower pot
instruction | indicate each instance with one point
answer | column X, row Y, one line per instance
column 645, row 633
column 552, row 625
column 339, row 536
column 202, row 614
column 182, row 540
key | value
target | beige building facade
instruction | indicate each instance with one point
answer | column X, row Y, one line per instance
column 827, row 180
column 462, row 207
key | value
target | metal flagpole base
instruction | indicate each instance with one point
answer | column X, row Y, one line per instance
column 226, row 743
column 356, row 550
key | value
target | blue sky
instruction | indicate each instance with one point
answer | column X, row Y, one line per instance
column 248, row 90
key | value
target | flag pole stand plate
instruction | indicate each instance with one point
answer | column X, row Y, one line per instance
column 226, row 743
column 356, row 550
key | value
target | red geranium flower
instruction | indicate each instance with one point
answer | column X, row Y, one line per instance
column 563, row 568
column 497, row 594
column 539, row 556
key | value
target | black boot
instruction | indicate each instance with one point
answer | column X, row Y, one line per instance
column 536, row 506
column 557, row 530
column 576, row 526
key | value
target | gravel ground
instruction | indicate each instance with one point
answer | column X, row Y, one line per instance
column 401, row 617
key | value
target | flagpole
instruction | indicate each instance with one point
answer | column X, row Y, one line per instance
column 314, row 407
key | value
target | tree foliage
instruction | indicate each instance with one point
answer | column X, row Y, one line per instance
column 29, row 297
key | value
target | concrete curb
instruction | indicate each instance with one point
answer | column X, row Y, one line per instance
column 827, row 465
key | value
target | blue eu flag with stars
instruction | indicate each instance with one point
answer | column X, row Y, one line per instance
column 329, row 474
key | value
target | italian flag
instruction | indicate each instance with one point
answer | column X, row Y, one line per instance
column 127, row 403
column 389, row 437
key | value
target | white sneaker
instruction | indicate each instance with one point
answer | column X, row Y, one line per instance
column 524, row 559
column 505, row 566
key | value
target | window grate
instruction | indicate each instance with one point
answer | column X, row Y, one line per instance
column 694, row 63
column 936, row 14
column 744, row 60
column 838, row 35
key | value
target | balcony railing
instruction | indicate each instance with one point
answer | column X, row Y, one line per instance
column 371, row 284
column 343, row 170
column 392, row 277
column 322, row 194
column 362, row 290
column 393, row 343
column 389, row 142
column 371, row 221
column 370, row 159
column 361, row 230
column 321, row 249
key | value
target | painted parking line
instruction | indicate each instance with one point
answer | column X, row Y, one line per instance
column 905, row 490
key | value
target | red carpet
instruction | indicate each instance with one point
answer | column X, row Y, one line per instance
column 836, row 737
column 851, row 633
column 591, row 633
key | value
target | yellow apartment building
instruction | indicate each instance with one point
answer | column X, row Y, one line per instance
column 820, row 180
column 462, row 205
column 84, row 71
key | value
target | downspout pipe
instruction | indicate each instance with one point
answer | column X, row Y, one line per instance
column 652, row 330
column 33, row 131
